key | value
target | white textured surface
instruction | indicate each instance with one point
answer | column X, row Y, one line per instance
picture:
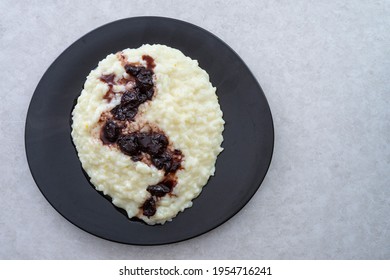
column 324, row 67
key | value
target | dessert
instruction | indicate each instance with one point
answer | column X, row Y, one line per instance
column 148, row 129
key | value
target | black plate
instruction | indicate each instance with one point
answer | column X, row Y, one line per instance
column 240, row 169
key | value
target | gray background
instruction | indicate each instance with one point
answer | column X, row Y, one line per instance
column 324, row 67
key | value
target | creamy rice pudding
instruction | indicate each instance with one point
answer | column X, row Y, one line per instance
column 148, row 129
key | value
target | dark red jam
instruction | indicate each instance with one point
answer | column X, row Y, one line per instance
column 149, row 61
column 149, row 207
column 110, row 132
column 132, row 99
column 153, row 146
column 109, row 79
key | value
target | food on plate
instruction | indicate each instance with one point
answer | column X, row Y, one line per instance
column 148, row 129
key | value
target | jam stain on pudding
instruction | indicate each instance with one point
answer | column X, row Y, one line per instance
column 152, row 143
column 128, row 144
column 149, row 61
column 108, row 79
column 155, row 145
column 140, row 93
column 157, row 191
column 149, row 207
column 110, row 132
column 164, row 187
column 169, row 161
column 140, row 145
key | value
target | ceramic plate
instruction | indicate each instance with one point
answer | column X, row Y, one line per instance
column 240, row 168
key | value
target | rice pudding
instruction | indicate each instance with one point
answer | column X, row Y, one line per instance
column 148, row 129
